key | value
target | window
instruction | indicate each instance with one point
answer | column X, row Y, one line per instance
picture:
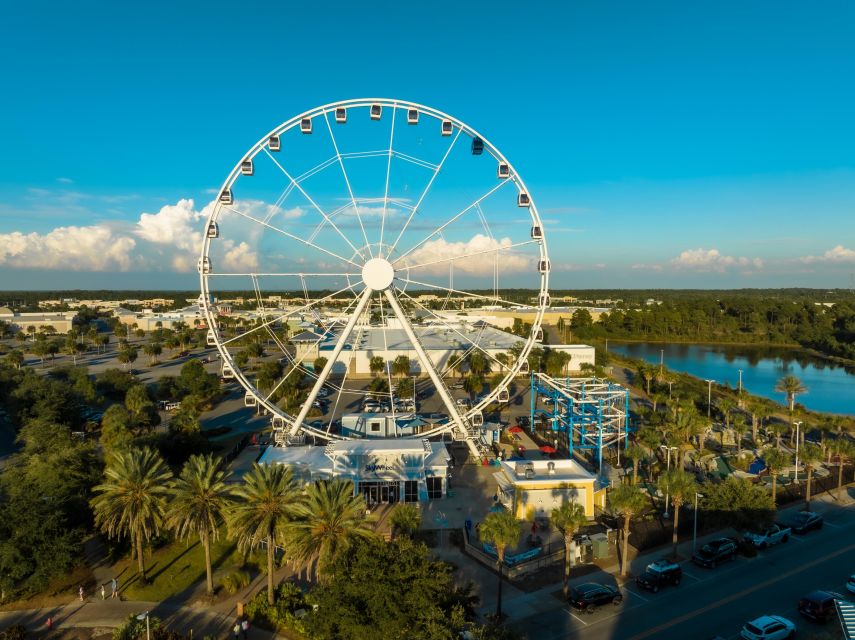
column 434, row 488
column 411, row 491
column 374, row 427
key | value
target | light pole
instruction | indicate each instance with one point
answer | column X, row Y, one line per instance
column 798, row 424
column 668, row 467
column 670, row 382
column 695, row 532
column 144, row 616
column 740, row 382
column 709, row 397
column 661, row 361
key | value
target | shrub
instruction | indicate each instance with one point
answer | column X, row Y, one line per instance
column 14, row 632
column 289, row 599
column 134, row 629
column 235, row 581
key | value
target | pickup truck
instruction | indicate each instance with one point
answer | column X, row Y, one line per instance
column 772, row 535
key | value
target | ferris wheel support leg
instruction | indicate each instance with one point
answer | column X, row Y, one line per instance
column 438, row 384
column 325, row 372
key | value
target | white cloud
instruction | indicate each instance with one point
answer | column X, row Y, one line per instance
column 178, row 225
column 65, row 180
column 838, row 254
column 479, row 264
column 92, row 248
column 712, row 260
column 240, row 258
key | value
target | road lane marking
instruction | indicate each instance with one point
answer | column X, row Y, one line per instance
column 736, row 596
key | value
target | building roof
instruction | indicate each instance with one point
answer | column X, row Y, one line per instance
column 311, row 457
column 376, row 446
column 562, row 471
column 306, row 336
column 433, row 337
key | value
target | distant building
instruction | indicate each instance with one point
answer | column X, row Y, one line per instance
column 61, row 321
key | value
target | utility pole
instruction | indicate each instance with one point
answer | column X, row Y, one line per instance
column 709, row 397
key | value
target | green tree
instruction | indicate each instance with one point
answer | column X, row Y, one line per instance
column 116, row 434
column 132, row 499
column 473, row 384
column 405, row 519
column 127, row 356
column 201, row 497
column 153, row 350
column 681, row 486
column 790, row 386
column 738, row 503
column 401, row 366
column 636, row 453
column 776, row 460
column 319, row 363
column 142, row 409
column 740, row 428
column 325, row 521
column 478, row 364
column 377, row 364
column 844, row 450
column 626, row 501
column 14, row 359
column 568, row 519
column 261, row 511
column 811, row 455
column 500, row 529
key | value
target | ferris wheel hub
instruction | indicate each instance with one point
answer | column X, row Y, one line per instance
column 377, row 274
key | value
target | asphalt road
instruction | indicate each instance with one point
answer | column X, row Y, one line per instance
column 717, row 602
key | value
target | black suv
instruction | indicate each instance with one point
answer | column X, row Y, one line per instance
column 590, row 595
column 716, row 551
column 658, row 574
column 819, row 605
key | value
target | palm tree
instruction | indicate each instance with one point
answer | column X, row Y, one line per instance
column 261, row 511
column 681, row 486
column 636, row 453
column 401, row 366
column 405, row 519
column 740, row 428
column 626, row 501
column 132, row 499
column 726, row 405
column 791, row 386
column 200, row 498
column 568, row 519
column 810, row 454
column 845, row 451
column 776, row 461
column 325, row 522
column 500, row 529
column 376, row 365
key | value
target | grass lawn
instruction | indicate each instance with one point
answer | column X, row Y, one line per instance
column 176, row 567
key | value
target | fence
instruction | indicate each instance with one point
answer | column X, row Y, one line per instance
column 550, row 554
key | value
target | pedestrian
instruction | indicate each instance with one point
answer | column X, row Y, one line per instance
column 103, row 592
column 244, row 627
column 114, row 585
column 49, row 623
column 236, row 629
column 80, row 592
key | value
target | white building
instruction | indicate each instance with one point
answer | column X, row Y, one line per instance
column 62, row 321
column 381, row 470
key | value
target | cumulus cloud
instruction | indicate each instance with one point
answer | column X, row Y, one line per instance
column 712, row 260
column 240, row 258
column 178, row 225
column 91, row 248
column 838, row 254
column 480, row 260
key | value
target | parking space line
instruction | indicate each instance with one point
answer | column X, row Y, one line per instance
column 832, row 525
column 692, row 576
column 638, row 595
column 573, row 615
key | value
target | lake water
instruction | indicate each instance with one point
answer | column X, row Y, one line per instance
column 831, row 387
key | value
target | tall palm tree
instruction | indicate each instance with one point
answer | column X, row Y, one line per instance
column 811, row 455
column 405, row 518
column 132, row 499
column 568, row 519
column 791, row 386
column 500, row 529
column 636, row 453
column 200, row 499
column 325, row 521
column 261, row 511
column 627, row 501
column 776, row 461
column 844, row 450
column 681, row 486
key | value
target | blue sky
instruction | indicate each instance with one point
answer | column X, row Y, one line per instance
column 666, row 144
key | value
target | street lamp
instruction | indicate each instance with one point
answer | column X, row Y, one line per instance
column 144, row 616
column 667, row 491
column 670, row 382
column 661, row 361
column 740, row 382
column 695, row 532
column 798, row 424
column 709, row 397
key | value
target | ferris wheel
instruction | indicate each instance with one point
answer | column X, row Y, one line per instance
column 363, row 236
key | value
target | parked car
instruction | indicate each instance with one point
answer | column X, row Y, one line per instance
column 590, row 595
column 850, row 583
column 660, row 574
column 768, row 628
column 523, row 421
column 819, row 605
column 463, row 402
column 715, row 552
column 805, row 521
column 323, row 392
column 457, row 385
column 773, row 535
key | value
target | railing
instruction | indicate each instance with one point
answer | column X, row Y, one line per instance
column 549, row 554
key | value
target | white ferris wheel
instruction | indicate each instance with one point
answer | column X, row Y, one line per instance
column 365, row 231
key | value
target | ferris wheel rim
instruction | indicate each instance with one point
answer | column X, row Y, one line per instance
column 529, row 342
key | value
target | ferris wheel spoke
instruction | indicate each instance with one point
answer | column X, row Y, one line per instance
column 451, row 327
column 493, row 299
column 388, row 172
column 287, row 275
column 291, row 235
column 288, row 314
column 364, row 297
column 347, row 182
column 451, row 220
column 470, row 255
column 386, row 354
column 425, row 192
column 314, row 204
column 426, row 363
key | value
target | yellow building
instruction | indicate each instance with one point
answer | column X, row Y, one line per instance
column 533, row 488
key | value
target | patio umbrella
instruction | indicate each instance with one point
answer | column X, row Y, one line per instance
column 515, row 429
column 548, row 448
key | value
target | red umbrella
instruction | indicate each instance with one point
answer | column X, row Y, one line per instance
column 515, row 429
column 547, row 448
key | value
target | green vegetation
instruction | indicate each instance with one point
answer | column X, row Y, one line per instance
column 406, row 519
column 568, row 519
column 627, row 501
column 500, row 529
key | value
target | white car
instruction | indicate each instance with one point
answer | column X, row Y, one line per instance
column 768, row 628
column 850, row 583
